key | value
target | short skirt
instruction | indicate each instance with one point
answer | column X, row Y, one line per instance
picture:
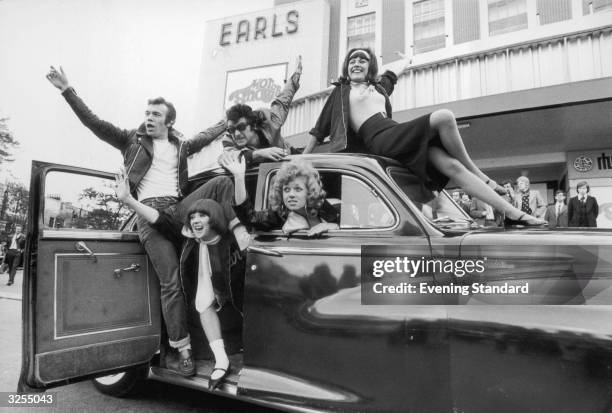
column 406, row 142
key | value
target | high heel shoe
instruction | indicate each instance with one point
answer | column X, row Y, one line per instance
column 496, row 187
column 214, row 383
column 535, row 222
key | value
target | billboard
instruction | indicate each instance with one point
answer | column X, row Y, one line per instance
column 255, row 86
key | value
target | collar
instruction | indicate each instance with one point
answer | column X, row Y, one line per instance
column 174, row 136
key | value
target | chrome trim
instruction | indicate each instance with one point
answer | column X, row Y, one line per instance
column 197, row 382
column 89, row 234
column 343, row 252
column 56, row 301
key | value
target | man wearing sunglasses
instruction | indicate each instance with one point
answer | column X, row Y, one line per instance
column 256, row 133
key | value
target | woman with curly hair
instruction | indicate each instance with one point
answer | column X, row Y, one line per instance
column 297, row 199
column 357, row 118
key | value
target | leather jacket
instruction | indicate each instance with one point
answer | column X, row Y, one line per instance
column 334, row 118
column 137, row 147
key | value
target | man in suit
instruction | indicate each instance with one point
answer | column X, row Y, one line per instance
column 582, row 210
column 13, row 255
column 529, row 201
column 556, row 214
column 482, row 213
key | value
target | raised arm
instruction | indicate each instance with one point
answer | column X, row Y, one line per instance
column 104, row 130
column 122, row 189
column 279, row 109
column 237, row 167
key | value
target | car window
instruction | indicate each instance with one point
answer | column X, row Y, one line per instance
column 438, row 207
column 79, row 201
column 359, row 204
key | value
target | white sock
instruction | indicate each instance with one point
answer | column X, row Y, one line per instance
column 221, row 360
column 185, row 347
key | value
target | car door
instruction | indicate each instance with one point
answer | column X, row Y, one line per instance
column 308, row 337
column 90, row 296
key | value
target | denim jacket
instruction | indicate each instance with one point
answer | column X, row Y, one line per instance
column 137, row 147
column 334, row 118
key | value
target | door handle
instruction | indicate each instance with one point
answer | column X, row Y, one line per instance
column 82, row 247
column 264, row 251
column 133, row 267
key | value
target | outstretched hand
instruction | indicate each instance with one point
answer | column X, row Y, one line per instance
column 122, row 186
column 58, row 79
column 233, row 163
column 298, row 65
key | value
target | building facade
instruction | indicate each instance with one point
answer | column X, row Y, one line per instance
column 530, row 81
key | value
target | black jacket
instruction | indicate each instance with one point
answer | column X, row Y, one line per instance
column 334, row 118
column 579, row 215
column 137, row 147
column 223, row 255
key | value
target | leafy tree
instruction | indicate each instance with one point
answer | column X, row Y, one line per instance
column 7, row 142
column 107, row 213
column 14, row 200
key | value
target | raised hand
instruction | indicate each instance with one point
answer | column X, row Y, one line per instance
column 122, row 186
column 298, row 65
column 233, row 163
column 58, row 79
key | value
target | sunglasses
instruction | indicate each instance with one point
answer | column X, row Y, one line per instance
column 238, row 127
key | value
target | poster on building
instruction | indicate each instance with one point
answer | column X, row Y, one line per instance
column 255, row 86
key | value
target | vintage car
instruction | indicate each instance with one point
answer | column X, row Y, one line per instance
column 306, row 341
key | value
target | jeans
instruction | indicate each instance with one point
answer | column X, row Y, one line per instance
column 163, row 253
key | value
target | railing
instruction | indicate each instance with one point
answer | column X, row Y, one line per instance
column 538, row 63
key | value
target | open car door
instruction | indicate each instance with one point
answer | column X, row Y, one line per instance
column 90, row 295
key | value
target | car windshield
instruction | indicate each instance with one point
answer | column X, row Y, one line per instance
column 438, row 208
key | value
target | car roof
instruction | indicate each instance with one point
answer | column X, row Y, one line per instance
column 363, row 160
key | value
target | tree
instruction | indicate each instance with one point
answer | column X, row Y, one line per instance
column 108, row 212
column 7, row 142
column 13, row 206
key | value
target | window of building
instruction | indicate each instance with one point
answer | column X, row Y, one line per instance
column 595, row 6
column 551, row 11
column 361, row 31
column 428, row 24
column 507, row 16
column 466, row 21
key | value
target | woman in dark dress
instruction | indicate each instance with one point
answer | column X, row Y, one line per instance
column 357, row 118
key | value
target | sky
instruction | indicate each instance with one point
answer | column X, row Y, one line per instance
column 116, row 53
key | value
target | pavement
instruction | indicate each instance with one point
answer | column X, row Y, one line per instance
column 11, row 292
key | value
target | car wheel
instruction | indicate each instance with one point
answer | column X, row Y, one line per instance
column 120, row 384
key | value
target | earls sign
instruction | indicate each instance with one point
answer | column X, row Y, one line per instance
column 259, row 28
